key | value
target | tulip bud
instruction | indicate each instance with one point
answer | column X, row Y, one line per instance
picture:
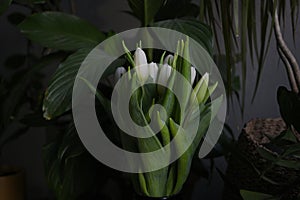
column 201, row 89
column 140, row 61
column 153, row 70
column 210, row 90
column 164, row 74
column 193, row 75
column 118, row 74
column 169, row 59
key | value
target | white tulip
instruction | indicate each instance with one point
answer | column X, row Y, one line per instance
column 153, row 70
column 140, row 61
column 118, row 74
column 169, row 59
column 193, row 75
column 201, row 89
column 164, row 75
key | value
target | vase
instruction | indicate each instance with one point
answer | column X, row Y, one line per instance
column 173, row 197
column 12, row 183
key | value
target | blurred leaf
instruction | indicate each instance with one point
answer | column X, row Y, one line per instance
column 193, row 28
column 16, row 95
column 4, row 4
column 145, row 10
column 249, row 195
column 58, row 96
column 244, row 27
column 266, row 154
column 60, row 31
column 266, row 35
column 15, row 61
column 228, row 43
column 71, row 171
column 172, row 9
column 35, row 120
column 16, row 18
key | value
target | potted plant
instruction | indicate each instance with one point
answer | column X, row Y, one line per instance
column 164, row 182
column 268, row 158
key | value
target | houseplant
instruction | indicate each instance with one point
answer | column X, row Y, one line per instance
column 174, row 118
column 272, row 146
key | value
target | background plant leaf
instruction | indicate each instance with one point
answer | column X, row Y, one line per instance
column 60, row 31
column 193, row 28
column 145, row 10
column 59, row 93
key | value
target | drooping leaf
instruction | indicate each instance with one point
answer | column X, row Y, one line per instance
column 266, row 35
column 227, row 42
column 60, row 31
column 245, row 9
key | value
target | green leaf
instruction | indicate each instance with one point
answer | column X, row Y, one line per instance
column 60, row 31
column 249, row 195
column 145, row 10
column 58, row 96
column 71, row 171
column 4, row 4
column 193, row 28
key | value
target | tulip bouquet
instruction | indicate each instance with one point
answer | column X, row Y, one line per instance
column 150, row 84
column 155, row 84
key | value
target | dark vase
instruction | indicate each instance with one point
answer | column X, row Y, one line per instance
column 174, row 197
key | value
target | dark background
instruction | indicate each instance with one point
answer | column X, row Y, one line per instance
column 109, row 15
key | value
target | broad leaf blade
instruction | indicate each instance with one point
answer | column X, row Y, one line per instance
column 145, row 10
column 193, row 28
column 60, row 31
column 59, row 93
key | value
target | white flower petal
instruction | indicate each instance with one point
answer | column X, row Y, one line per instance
column 140, row 61
column 153, row 70
column 168, row 59
column 164, row 75
column 140, row 57
column 118, row 74
column 193, row 75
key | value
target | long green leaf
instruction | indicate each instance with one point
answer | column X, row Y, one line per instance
column 227, row 42
column 245, row 9
column 266, row 35
column 249, row 195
